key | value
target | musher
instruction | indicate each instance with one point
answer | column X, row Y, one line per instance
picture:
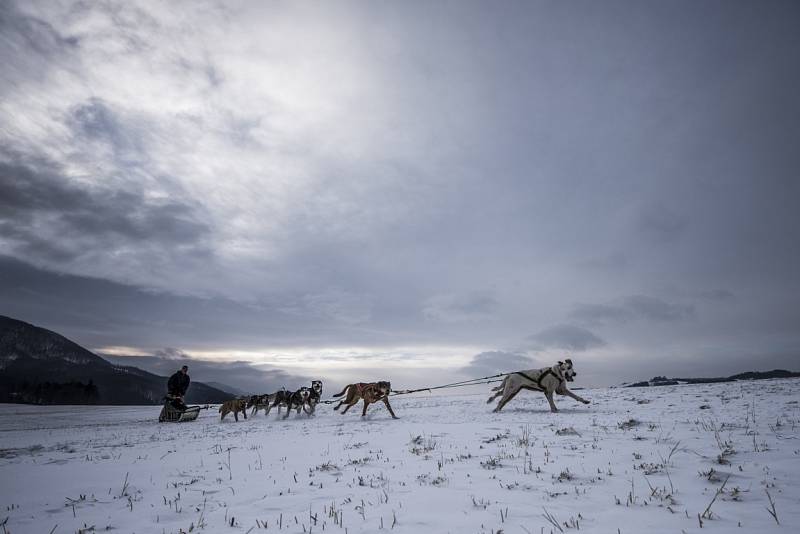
column 177, row 386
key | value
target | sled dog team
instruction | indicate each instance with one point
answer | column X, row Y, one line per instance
column 548, row 380
column 304, row 399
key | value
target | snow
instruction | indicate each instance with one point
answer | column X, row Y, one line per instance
column 635, row 460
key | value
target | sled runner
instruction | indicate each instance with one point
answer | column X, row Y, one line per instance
column 173, row 414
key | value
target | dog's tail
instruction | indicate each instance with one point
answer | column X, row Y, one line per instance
column 343, row 391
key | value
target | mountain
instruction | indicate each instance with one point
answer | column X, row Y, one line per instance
column 225, row 387
column 42, row 367
column 750, row 375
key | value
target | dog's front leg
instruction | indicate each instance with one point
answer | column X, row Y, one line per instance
column 549, row 395
column 364, row 411
column 386, row 402
column 236, row 416
column 568, row 393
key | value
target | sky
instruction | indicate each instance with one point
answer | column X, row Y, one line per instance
column 413, row 191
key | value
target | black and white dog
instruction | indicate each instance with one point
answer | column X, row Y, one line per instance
column 298, row 401
column 259, row 402
column 279, row 398
column 315, row 395
column 548, row 380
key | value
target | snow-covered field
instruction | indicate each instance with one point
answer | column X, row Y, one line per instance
column 668, row 459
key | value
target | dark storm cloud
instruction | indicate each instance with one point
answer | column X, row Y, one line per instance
column 239, row 377
column 97, row 313
column 47, row 216
column 634, row 307
column 495, row 362
column 567, row 337
column 27, row 242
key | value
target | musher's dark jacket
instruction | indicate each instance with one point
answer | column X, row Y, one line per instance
column 178, row 384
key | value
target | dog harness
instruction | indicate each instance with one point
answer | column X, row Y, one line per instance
column 538, row 381
column 361, row 387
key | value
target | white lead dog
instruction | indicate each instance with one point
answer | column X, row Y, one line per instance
column 548, row 380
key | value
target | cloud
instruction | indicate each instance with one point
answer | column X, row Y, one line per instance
column 171, row 353
column 496, row 362
column 336, row 304
column 630, row 308
column 94, row 123
column 29, row 44
column 567, row 337
column 460, row 308
column 242, row 376
column 48, row 217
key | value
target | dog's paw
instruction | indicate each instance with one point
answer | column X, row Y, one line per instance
column 585, row 402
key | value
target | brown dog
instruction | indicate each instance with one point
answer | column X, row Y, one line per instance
column 370, row 392
column 235, row 406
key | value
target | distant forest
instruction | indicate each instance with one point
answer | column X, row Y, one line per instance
column 72, row 392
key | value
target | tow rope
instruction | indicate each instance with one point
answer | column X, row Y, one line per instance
column 462, row 383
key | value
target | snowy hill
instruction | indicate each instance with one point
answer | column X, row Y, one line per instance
column 750, row 375
column 668, row 459
column 42, row 367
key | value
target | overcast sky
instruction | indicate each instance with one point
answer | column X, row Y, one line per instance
column 419, row 191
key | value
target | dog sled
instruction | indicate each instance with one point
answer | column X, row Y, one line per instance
column 170, row 413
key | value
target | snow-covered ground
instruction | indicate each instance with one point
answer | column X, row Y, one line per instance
column 669, row 459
